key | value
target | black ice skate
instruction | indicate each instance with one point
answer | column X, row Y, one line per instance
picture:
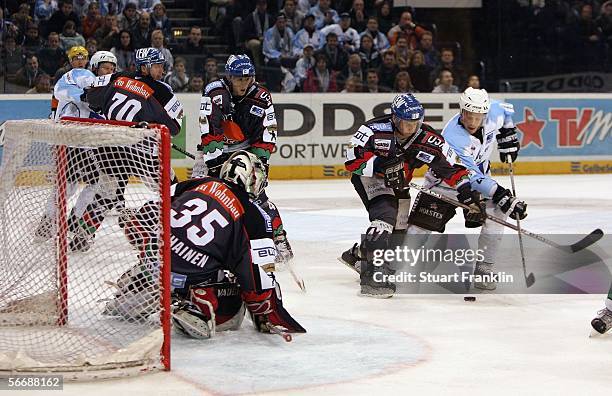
column 484, row 270
column 603, row 321
column 351, row 258
column 374, row 285
column 44, row 231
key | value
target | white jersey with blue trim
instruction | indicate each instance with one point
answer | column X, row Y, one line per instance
column 68, row 91
column 469, row 151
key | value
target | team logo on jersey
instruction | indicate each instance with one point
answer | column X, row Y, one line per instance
column 425, row 157
column 257, row 111
column 218, row 100
column 382, row 144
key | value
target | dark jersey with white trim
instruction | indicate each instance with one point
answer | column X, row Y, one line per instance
column 127, row 97
column 216, row 227
column 374, row 144
column 229, row 123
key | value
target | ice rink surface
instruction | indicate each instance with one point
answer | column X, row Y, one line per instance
column 498, row 345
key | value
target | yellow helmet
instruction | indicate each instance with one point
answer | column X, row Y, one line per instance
column 77, row 51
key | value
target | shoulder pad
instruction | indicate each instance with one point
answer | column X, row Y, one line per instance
column 213, row 85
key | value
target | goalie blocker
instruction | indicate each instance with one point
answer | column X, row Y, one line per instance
column 222, row 253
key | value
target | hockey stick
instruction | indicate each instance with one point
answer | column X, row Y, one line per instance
column 183, row 151
column 297, row 278
column 529, row 279
column 275, row 330
column 585, row 242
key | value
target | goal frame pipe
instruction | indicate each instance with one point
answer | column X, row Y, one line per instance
column 164, row 159
column 62, row 230
column 164, row 185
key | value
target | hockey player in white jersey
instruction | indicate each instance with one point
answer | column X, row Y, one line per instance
column 68, row 101
column 471, row 135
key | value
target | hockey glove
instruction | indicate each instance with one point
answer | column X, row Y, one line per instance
column 475, row 215
column 509, row 204
column 508, row 144
column 267, row 308
column 200, row 169
column 394, row 174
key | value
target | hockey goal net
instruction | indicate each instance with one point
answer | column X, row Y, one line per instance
column 59, row 309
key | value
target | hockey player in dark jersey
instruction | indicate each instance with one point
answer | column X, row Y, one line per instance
column 222, row 253
column 383, row 155
column 138, row 97
column 236, row 113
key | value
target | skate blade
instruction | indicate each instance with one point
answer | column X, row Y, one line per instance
column 348, row 265
column 596, row 334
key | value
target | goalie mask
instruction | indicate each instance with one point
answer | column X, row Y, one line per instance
column 247, row 171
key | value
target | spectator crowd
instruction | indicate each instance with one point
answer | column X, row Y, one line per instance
column 296, row 45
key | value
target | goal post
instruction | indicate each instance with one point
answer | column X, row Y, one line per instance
column 99, row 312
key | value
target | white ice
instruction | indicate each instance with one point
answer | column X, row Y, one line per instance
column 500, row 344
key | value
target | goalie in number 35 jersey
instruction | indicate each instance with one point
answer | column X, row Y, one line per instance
column 222, row 254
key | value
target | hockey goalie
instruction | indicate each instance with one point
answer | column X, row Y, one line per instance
column 223, row 255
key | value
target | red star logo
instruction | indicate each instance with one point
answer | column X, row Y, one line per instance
column 531, row 128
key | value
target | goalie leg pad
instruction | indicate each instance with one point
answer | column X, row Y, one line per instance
column 431, row 213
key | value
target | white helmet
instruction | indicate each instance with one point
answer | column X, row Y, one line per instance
column 475, row 101
column 101, row 57
column 246, row 170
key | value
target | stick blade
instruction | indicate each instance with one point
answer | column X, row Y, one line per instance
column 530, row 280
column 587, row 241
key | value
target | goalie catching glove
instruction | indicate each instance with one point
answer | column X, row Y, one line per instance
column 266, row 308
column 508, row 144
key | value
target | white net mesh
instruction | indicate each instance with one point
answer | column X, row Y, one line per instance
column 80, row 237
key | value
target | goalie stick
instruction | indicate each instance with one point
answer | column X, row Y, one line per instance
column 529, row 279
column 276, row 330
column 585, row 242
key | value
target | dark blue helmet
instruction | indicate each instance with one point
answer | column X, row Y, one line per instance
column 239, row 66
column 407, row 107
column 148, row 56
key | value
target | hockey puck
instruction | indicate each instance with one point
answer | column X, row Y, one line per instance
column 469, row 298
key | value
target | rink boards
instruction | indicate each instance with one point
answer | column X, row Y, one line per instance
column 560, row 133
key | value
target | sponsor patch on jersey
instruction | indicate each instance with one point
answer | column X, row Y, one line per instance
column 380, row 126
column 133, row 86
column 433, row 140
column 489, row 137
column 257, row 111
column 266, row 217
column 263, row 251
column 425, row 157
column 218, row 100
column 177, row 281
column 224, row 196
column 174, row 108
column 69, row 78
column 213, row 85
column 382, row 144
